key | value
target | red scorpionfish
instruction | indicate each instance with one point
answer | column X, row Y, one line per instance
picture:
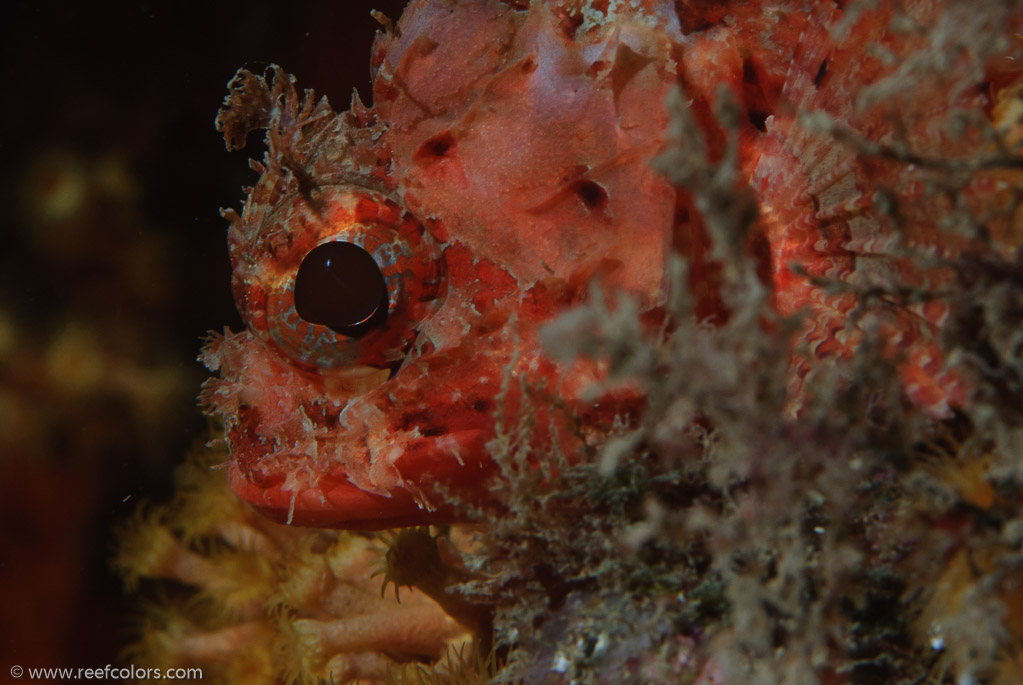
column 395, row 263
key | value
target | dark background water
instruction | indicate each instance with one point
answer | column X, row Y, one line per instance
column 113, row 265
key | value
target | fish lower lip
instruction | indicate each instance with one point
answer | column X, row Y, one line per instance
column 343, row 505
column 332, row 499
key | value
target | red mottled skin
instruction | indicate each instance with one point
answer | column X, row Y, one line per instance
column 510, row 146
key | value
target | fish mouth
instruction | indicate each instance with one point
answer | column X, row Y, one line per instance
column 343, row 448
column 436, row 477
column 335, row 502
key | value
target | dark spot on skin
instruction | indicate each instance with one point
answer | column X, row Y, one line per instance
column 597, row 68
column 480, row 406
column 392, row 368
column 339, row 285
column 591, row 193
column 570, row 22
column 758, row 119
column 761, row 250
column 435, row 149
column 695, row 16
column 755, row 94
column 422, row 420
column 821, row 71
column 749, row 71
column 306, row 183
column 985, row 91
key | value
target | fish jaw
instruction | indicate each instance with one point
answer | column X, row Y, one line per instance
column 332, row 500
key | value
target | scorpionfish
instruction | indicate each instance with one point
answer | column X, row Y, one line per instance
column 394, row 264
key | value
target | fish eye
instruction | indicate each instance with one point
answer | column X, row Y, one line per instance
column 344, row 277
column 339, row 285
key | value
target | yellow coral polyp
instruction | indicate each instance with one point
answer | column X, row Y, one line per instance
column 266, row 602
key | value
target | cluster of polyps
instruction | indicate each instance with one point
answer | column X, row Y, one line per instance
column 269, row 602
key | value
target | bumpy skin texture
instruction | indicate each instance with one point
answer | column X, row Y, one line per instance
column 523, row 151
column 506, row 165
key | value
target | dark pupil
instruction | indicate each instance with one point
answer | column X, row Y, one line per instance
column 339, row 285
